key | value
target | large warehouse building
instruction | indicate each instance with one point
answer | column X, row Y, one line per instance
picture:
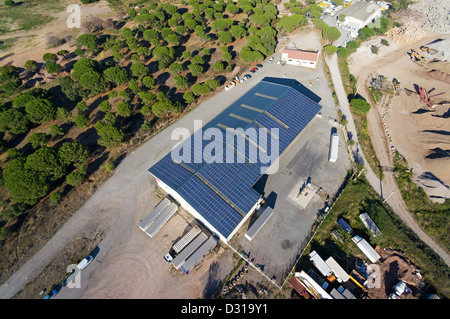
column 221, row 195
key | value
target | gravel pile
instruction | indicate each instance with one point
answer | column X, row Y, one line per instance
column 437, row 14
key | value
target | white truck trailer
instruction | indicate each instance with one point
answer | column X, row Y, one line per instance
column 259, row 223
column 334, row 145
column 365, row 247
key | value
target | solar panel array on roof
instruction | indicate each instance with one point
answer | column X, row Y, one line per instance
column 222, row 192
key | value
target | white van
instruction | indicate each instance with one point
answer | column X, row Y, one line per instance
column 86, row 261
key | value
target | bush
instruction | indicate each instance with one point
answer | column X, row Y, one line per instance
column 53, row 67
column 360, row 106
column 55, row 197
column 74, row 178
column 330, row 50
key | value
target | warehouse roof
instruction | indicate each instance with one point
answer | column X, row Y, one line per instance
column 222, row 193
column 360, row 10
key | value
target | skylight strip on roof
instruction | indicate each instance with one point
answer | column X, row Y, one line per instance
column 240, row 118
column 185, row 167
column 216, row 191
column 265, row 129
column 252, row 108
column 266, row 96
column 276, row 120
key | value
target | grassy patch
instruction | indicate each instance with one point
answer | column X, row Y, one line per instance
column 359, row 197
column 433, row 217
column 27, row 16
column 362, row 131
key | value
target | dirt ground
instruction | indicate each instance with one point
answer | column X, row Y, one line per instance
column 419, row 134
column 394, row 267
column 32, row 44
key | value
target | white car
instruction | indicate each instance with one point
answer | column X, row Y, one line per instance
column 86, row 261
column 270, row 60
column 279, row 62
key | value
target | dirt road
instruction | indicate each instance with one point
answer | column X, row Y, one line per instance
column 387, row 188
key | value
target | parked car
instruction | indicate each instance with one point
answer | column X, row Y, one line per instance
column 279, row 62
column 270, row 60
column 51, row 294
column 252, row 70
column 247, row 76
column 242, row 79
column 86, row 261
column 255, row 69
column 259, row 65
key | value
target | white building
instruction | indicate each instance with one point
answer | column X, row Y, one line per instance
column 360, row 14
column 299, row 57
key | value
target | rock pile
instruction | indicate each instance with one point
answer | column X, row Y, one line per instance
column 437, row 13
column 409, row 33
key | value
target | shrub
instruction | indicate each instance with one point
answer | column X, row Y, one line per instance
column 360, row 106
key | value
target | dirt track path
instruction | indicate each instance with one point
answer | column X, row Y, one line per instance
column 387, row 188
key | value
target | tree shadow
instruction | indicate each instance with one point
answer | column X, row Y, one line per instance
column 213, row 282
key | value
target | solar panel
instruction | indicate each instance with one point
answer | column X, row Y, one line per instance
column 207, row 203
column 222, row 191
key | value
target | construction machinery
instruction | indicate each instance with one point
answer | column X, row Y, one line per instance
column 396, row 84
column 425, row 96
column 428, row 50
column 377, row 82
column 417, row 57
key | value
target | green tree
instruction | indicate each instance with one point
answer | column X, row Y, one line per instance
column 82, row 66
column 212, row 84
column 46, row 163
column 360, row 106
column 221, row 25
column 71, row 89
column 109, row 134
column 74, row 178
column 14, row 121
column 238, row 31
column 55, row 130
column 38, row 140
column 201, row 89
column 225, row 37
column 139, row 70
column 188, row 97
column 149, row 82
column 40, row 110
column 343, row 52
column 181, row 82
column 116, row 75
column 175, row 68
column 23, row 184
column 93, row 81
column 124, row 109
column 195, row 69
column 31, row 66
column 73, row 153
column 218, row 66
column 63, row 115
column 53, row 67
column 331, row 34
column 82, row 121
column 89, row 41
column 49, row 57
column 105, row 106
column 164, row 106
